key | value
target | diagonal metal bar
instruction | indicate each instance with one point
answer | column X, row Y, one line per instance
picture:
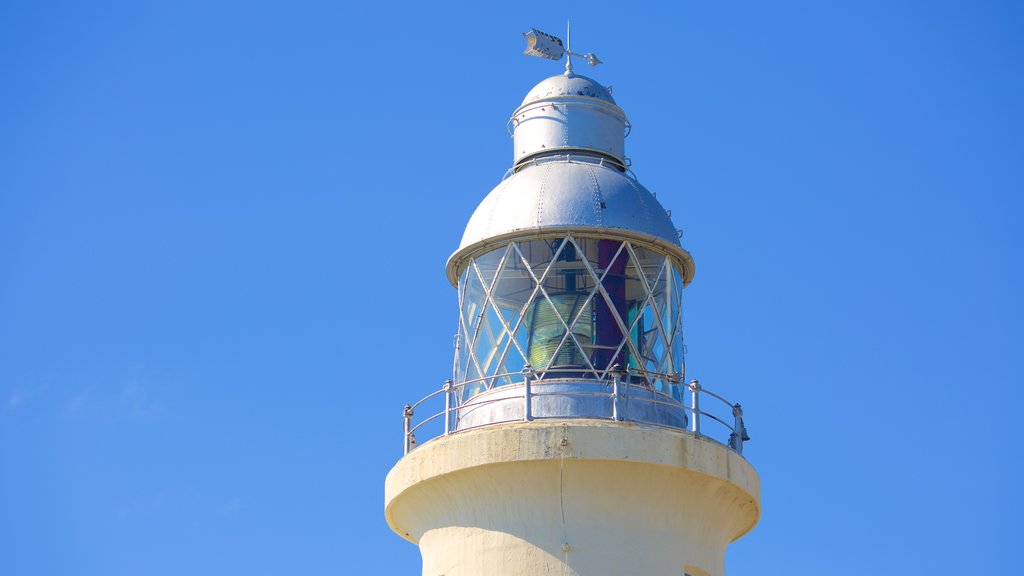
column 494, row 342
column 463, row 286
column 568, row 239
column 489, row 302
column 472, row 271
column 568, row 327
column 479, row 322
column 471, row 343
column 537, row 288
column 466, row 356
column 671, row 312
column 507, row 347
column 486, row 337
column 483, row 313
column 600, row 281
column 540, row 288
column 627, row 340
column 497, row 272
column 618, row 319
column 649, row 294
column 529, row 301
column 590, row 297
column 677, row 319
column 490, row 299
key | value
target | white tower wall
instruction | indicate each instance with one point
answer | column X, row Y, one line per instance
column 587, row 497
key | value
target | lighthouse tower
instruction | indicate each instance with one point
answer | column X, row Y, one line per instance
column 568, row 440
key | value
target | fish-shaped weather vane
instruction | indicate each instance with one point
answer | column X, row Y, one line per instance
column 544, row 45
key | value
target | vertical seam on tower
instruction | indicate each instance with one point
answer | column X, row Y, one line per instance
column 494, row 205
column 563, row 444
column 643, row 202
column 596, row 195
column 540, row 195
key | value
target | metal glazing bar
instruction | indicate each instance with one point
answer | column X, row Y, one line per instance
column 526, row 305
column 615, row 314
column 568, row 330
column 471, row 339
column 649, row 297
column 489, row 296
column 487, row 287
column 590, row 297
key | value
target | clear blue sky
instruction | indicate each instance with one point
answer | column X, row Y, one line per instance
column 223, row 228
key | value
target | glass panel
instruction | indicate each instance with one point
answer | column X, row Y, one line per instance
column 475, row 386
column 548, row 344
column 512, row 363
column 487, row 265
column 567, row 274
column 509, row 297
column 472, row 304
column 463, row 355
column 678, row 356
column 641, row 323
column 526, row 270
column 655, row 356
column 473, row 298
column 654, row 336
column 563, row 302
column 513, row 287
column 539, row 253
column 611, row 264
column 489, row 343
column 508, row 320
column 460, row 332
column 653, row 265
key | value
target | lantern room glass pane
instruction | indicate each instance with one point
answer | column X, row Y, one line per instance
column 571, row 308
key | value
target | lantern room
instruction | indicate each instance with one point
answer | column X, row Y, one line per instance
column 569, row 273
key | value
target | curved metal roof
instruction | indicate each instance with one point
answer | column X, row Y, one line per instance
column 568, row 85
column 572, row 193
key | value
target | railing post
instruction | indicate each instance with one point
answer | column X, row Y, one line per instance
column 616, row 375
column 407, row 413
column 527, row 395
column 739, row 432
column 447, row 406
column 695, row 405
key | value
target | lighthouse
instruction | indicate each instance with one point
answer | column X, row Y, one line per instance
column 568, row 439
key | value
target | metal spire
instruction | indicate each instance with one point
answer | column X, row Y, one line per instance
column 568, row 49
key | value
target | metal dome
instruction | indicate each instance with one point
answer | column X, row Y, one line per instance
column 569, row 192
column 568, row 85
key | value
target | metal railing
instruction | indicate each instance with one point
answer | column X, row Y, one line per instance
column 625, row 384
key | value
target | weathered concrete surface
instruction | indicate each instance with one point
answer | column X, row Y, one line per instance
column 625, row 498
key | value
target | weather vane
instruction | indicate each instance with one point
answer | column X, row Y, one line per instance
column 544, row 45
